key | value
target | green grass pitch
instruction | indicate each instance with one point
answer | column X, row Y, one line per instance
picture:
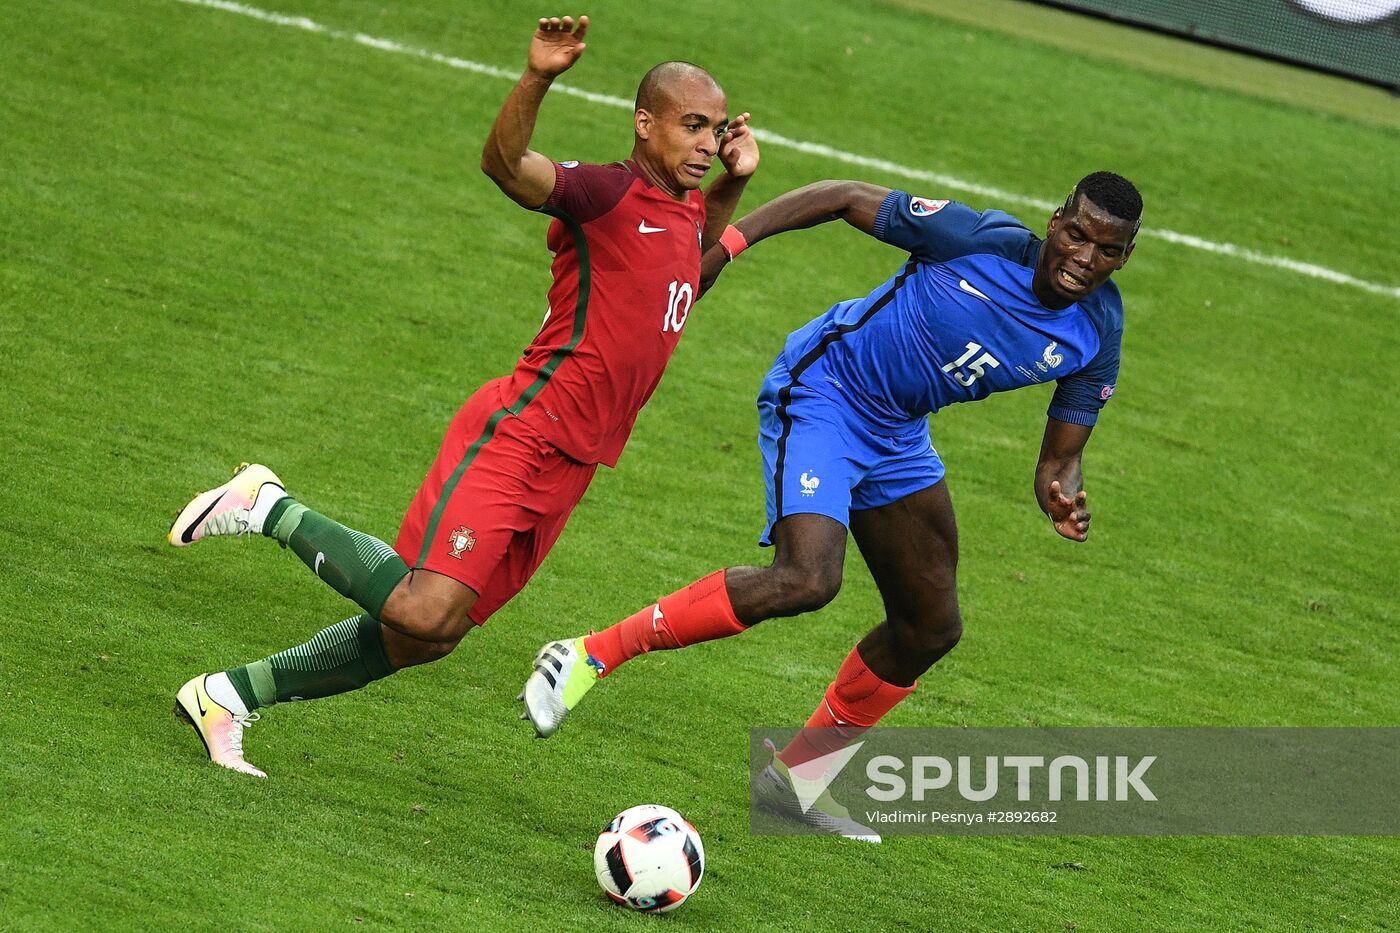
column 224, row 239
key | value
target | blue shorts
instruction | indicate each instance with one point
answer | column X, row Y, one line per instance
column 819, row 457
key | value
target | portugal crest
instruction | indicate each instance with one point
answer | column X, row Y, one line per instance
column 460, row 539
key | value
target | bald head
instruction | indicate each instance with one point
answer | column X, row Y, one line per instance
column 668, row 82
column 680, row 122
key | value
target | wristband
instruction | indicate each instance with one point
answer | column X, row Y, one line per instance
column 732, row 242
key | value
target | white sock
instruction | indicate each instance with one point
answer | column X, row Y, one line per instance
column 268, row 494
column 221, row 691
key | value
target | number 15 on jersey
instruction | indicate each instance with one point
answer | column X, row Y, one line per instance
column 978, row 367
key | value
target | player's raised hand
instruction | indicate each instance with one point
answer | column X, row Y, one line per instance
column 738, row 150
column 1069, row 516
column 557, row 45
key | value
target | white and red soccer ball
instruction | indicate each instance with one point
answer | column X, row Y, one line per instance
column 649, row 859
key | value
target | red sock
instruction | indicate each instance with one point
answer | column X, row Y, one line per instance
column 696, row 613
column 855, row 701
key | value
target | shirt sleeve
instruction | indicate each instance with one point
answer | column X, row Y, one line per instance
column 586, row 192
column 1080, row 397
column 938, row 230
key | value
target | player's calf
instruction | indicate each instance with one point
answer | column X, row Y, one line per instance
column 356, row 565
column 902, row 648
column 404, row 651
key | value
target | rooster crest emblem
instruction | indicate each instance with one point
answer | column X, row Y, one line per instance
column 810, row 484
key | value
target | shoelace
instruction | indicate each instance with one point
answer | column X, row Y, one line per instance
column 233, row 522
column 235, row 736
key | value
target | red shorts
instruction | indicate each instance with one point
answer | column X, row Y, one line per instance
column 493, row 503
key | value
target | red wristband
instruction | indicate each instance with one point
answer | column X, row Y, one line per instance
column 732, row 242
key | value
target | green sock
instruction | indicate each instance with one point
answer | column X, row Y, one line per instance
column 344, row 657
column 356, row 565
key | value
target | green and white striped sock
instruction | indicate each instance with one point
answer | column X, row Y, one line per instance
column 356, row 565
column 346, row 656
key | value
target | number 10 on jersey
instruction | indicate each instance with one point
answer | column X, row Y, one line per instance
column 978, row 366
column 678, row 307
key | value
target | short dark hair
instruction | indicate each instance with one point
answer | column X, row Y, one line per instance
column 1111, row 193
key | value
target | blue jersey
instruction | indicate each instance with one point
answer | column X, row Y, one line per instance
column 957, row 323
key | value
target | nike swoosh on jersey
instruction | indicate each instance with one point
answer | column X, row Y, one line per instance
column 320, row 559
column 643, row 228
column 963, row 284
column 187, row 535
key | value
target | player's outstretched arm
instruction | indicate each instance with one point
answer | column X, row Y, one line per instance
column 738, row 153
column 523, row 174
column 855, row 202
column 1059, row 478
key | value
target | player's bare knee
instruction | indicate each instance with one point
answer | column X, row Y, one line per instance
column 947, row 632
column 444, row 625
column 931, row 634
column 426, row 620
column 804, row 589
column 437, row 650
column 410, row 653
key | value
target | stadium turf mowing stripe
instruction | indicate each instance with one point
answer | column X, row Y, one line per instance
column 818, row 149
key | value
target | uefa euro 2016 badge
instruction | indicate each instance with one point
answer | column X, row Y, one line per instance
column 461, row 539
column 922, row 207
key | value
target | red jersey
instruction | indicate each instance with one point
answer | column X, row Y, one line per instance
column 626, row 272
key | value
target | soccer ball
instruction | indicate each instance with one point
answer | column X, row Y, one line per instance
column 649, row 859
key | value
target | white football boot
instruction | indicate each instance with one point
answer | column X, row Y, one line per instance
column 775, row 789
column 238, row 507
column 563, row 674
column 220, row 730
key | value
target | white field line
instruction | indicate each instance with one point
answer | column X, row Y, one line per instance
column 937, row 179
